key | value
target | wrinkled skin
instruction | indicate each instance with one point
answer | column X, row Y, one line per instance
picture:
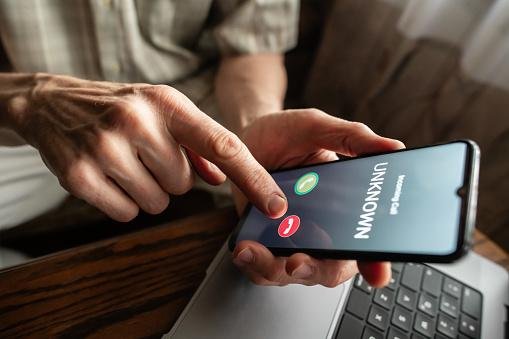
column 301, row 137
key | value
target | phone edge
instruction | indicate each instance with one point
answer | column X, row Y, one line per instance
column 468, row 217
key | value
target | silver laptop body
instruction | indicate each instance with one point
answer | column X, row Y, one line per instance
column 227, row 305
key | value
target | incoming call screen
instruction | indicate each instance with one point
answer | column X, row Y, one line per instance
column 403, row 202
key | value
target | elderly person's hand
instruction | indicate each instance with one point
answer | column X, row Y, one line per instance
column 122, row 147
column 300, row 137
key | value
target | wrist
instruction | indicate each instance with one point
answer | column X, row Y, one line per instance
column 15, row 96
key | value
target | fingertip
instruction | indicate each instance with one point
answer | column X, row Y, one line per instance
column 245, row 252
column 394, row 144
column 217, row 176
column 296, row 260
column 277, row 206
column 243, row 257
column 209, row 172
column 252, row 256
column 300, row 266
column 126, row 214
column 377, row 274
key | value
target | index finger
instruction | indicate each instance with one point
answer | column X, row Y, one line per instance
column 203, row 135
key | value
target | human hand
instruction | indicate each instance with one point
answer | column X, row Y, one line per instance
column 122, row 147
column 300, row 137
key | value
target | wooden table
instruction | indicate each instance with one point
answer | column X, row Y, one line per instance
column 135, row 285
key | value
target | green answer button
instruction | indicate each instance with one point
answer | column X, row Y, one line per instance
column 306, row 183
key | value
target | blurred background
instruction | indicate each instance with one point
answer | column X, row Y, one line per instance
column 419, row 71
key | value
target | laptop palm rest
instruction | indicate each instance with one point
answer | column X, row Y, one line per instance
column 228, row 305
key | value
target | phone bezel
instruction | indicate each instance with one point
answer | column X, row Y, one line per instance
column 467, row 217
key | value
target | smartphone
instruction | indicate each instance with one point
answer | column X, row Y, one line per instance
column 415, row 205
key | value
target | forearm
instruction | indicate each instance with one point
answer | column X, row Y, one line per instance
column 14, row 89
column 250, row 86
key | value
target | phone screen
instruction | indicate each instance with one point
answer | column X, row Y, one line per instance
column 403, row 202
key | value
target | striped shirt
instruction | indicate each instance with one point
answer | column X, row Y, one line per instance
column 152, row 41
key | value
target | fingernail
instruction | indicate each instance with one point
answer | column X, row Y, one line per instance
column 213, row 167
column 277, row 205
column 244, row 257
column 302, row 272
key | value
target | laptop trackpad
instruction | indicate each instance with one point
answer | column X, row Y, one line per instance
column 230, row 306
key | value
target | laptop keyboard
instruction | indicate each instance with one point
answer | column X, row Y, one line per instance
column 420, row 302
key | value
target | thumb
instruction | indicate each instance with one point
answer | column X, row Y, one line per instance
column 351, row 138
column 376, row 273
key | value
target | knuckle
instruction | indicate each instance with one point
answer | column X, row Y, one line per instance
column 159, row 90
column 126, row 114
column 359, row 127
column 185, row 183
column 274, row 275
column 76, row 177
column 162, row 93
column 315, row 111
column 121, row 107
column 225, row 145
column 334, row 279
column 104, row 143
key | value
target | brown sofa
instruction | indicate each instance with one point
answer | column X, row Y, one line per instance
column 413, row 90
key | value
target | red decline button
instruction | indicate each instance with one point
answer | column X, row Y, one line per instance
column 288, row 226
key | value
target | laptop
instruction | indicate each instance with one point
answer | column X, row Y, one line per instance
column 466, row 299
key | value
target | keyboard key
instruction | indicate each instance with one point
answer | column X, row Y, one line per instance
column 384, row 297
column 402, row 318
column 471, row 303
column 411, row 277
column 424, row 325
column 393, row 283
column 432, row 281
column 428, row 304
column 396, row 334
column 469, row 326
column 361, row 284
column 370, row 333
column 397, row 266
column 419, row 302
column 351, row 327
column 358, row 303
column 452, row 287
column 447, row 326
column 378, row 317
column 406, row 298
column 449, row 305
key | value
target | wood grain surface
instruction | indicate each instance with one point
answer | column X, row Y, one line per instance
column 131, row 286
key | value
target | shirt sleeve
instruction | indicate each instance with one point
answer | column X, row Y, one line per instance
column 257, row 26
